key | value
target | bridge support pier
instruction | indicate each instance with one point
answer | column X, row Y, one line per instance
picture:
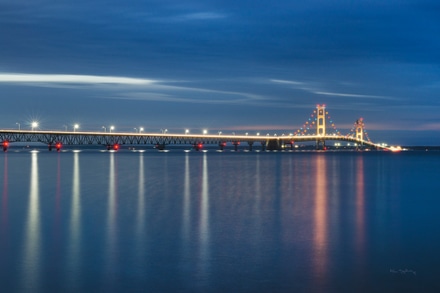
column 289, row 143
column 263, row 146
column 320, row 144
column 273, row 145
column 236, row 144
column 222, row 145
column 160, row 146
column 250, row 143
column 5, row 145
column 198, row 146
column 49, row 147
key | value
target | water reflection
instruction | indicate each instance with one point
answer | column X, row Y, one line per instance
column 32, row 241
column 141, row 198
column 58, row 194
column 110, row 246
column 140, row 244
column 257, row 203
column 204, row 232
column 4, row 216
column 186, row 201
column 74, row 247
column 360, row 209
column 320, row 257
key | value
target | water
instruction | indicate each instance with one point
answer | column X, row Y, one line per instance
column 94, row 221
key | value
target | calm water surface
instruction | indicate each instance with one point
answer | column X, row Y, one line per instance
column 94, row 221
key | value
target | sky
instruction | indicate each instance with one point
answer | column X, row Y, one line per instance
column 230, row 66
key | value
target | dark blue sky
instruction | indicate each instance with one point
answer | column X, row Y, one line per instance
column 222, row 65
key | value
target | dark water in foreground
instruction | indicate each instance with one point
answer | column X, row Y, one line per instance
column 94, row 221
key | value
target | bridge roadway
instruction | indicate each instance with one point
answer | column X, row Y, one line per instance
column 56, row 139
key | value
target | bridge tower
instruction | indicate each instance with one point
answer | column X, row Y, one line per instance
column 359, row 127
column 320, row 126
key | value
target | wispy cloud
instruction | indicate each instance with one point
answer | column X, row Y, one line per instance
column 314, row 88
column 141, row 89
column 300, row 85
column 197, row 16
column 352, row 95
column 203, row 16
column 290, row 82
column 171, row 93
column 69, row 78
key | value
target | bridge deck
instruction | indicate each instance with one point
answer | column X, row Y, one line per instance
column 105, row 138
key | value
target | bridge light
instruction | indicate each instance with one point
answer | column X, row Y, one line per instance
column 141, row 129
column 75, row 127
column 116, row 146
column 34, row 125
column 58, row 146
column 186, row 131
column 205, row 131
column 5, row 145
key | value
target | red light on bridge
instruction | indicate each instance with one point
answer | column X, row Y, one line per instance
column 58, row 146
column 5, row 145
column 116, row 146
column 198, row 146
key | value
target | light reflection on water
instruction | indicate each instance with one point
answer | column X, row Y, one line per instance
column 216, row 222
column 110, row 247
column 140, row 223
column 32, row 238
column 204, row 232
column 74, row 238
column 360, row 210
column 4, row 216
column 320, row 257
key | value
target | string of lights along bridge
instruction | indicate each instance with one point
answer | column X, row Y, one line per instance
column 319, row 128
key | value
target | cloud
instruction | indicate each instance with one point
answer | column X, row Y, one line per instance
column 68, row 78
column 170, row 93
column 203, row 16
column 315, row 89
column 287, row 82
column 196, row 16
column 352, row 95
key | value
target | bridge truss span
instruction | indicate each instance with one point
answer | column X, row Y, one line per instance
column 53, row 138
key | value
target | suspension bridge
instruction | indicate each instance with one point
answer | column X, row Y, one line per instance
column 319, row 128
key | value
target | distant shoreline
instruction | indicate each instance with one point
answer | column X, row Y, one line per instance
column 422, row 148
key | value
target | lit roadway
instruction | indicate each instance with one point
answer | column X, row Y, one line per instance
column 56, row 139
